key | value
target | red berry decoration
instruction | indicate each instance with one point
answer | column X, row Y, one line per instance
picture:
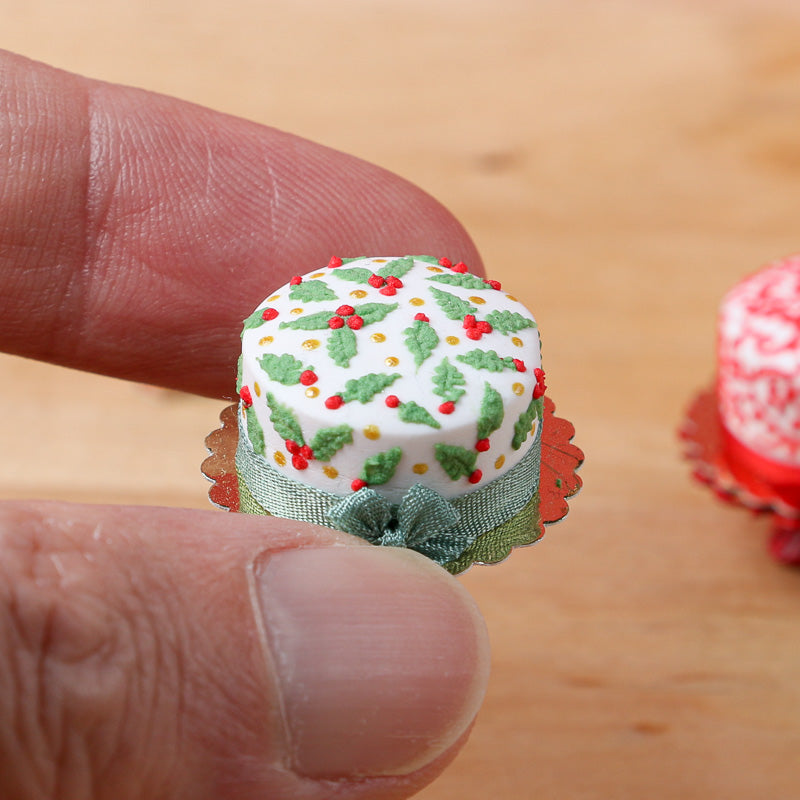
column 392, row 401
column 357, row 484
column 445, row 262
column 295, row 281
column 335, row 322
column 494, row 284
column 483, row 326
column 394, row 282
column 447, row 408
column 335, row 262
column 308, row 377
column 292, row 447
column 421, row 317
column 376, row 281
column 482, row 445
column 269, row 313
column 388, row 290
column 520, row 365
column 475, row 476
column 473, row 333
column 307, row 452
column 355, row 322
column 540, row 387
column 298, row 462
column 469, row 320
column 334, row 401
column 247, row 398
column 345, row 311
column 460, row 267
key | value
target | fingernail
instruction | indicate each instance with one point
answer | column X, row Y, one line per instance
column 381, row 657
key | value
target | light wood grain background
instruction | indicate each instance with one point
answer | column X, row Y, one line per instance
column 620, row 164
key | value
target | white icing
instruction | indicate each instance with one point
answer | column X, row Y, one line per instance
column 415, row 383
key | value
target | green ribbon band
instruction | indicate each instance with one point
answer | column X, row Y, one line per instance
column 440, row 528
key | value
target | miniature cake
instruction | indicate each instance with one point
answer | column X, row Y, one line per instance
column 758, row 384
column 399, row 399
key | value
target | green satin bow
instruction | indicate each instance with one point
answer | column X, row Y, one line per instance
column 420, row 521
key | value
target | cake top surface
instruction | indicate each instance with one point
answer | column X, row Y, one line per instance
column 385, row 372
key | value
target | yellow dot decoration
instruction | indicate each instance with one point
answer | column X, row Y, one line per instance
column 392, row 361
column 280, row 458
column 372, row 432
column 331, row 472
column 312, row 391
column 359, row 293
column 265, row 340
column 378, row 337
column 518, row 389
column 477, row 300
column 452, row 339
column 257, row 389
column 378, row 260
column 274, row 297
column 419, row 469
column 296, row 311
column 511, row 297
column 417, row 301
column 516, row 341
column 499, row 463
column 435, row 269
column 310, row 344
column 318, row 275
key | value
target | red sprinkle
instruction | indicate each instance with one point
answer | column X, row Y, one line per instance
column 473, row 333
column 482, row 445
column 334, row 401
column 345, row 311
column 296, row 281
column 335, row 262
column 421, row 317
column 447, row 408
column 269, row 313
column 483, row 326
column 376, row 281
column 247, row 398
column 335, row 322
column 475, row 476
column 357, row 484
column 494, row 284
column 308, row 377
column 520, row 365
column 292, row 447
column 392, row 401
column 445, row 262
column 355, row 322
column 298, row 462
column 307, row 452
column 388, row 290
column 395, row 282
column 469, row 321
column 460, row 267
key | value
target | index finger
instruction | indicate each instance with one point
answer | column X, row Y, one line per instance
column 137, row 230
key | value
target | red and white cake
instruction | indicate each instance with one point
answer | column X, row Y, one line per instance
column 758, row 383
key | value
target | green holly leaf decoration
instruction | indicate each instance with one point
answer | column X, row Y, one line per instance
column 487, row 359
column 522, row 427
column 453, row 306
column 254, row 431
column 381, row 467
column 421, row 340
column 367, row 386
column 411, row 412
column 355, row 274
column 396, row 268
column 284, row 368
column 374, row 312
column 456, row 461
column 490, row 416
column 284, row 421
column 328, row 441
column 312, row 291
column 310, row 322
column 427, row 259
column 508, row 321
column 255, row 320
column 239, row 364
column 342, row 346
column 461, row 279
column 447, row 381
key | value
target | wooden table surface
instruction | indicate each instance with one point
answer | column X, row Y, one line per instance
column 620, row 164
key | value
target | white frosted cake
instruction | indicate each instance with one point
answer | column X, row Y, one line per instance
column 758, row 385
column 371, row 376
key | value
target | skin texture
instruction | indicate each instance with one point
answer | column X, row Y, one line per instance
column 166, row 653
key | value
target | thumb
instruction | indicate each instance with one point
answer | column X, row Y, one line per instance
column 170, row 653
